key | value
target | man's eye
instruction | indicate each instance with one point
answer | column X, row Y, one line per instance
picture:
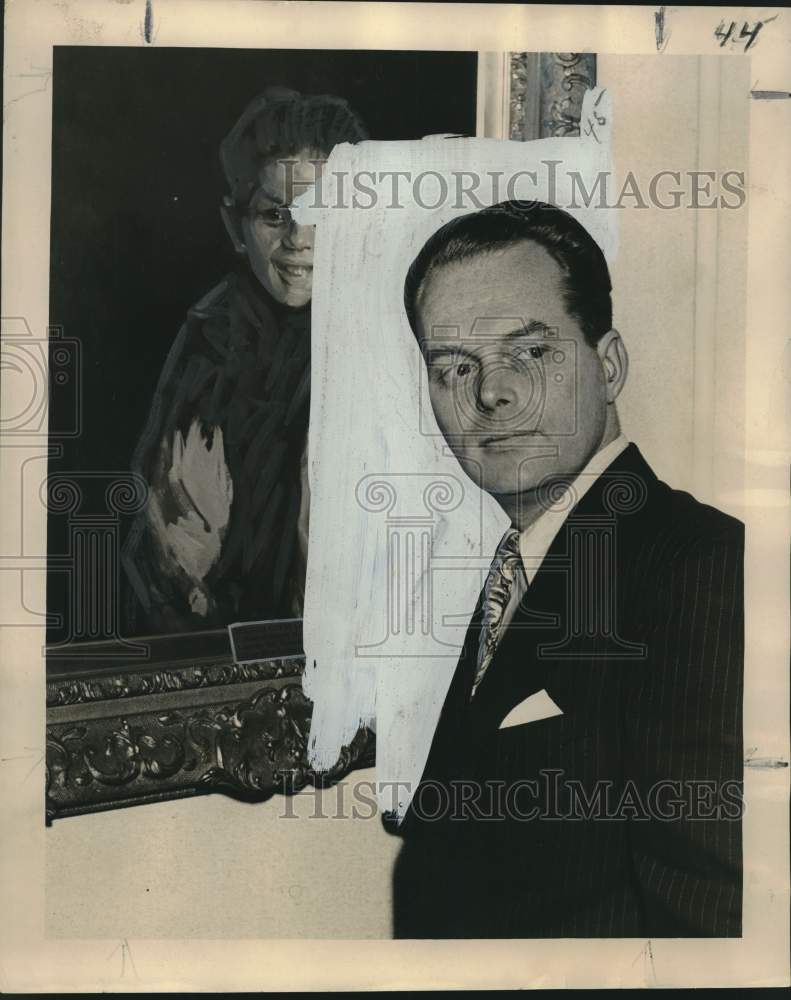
column 453, row 373
column 534, row 352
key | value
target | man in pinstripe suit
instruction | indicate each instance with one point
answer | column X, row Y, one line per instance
column 584, row 778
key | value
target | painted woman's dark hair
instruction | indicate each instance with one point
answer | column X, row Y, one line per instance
column 280, row 123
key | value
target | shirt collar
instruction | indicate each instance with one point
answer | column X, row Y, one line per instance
column 535, row 540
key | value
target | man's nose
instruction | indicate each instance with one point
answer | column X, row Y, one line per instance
column 497, row 388
column 299, row 237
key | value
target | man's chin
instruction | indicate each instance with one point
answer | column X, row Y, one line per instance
column 502, row 485
column 505, row 482
column 508, row 492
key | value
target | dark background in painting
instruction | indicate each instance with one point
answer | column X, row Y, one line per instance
column 136, row 236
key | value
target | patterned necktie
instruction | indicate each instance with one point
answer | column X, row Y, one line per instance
column 496, row 594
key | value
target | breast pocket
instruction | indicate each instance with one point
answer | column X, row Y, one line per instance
column 557, row 743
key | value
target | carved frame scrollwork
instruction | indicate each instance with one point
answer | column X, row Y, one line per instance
column 546, row 91
column 188, row 721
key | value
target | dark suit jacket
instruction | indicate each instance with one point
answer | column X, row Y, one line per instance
column 622, row 816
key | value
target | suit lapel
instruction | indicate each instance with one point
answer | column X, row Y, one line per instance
column 544, row 614
column 448, row 732
column 517, row 670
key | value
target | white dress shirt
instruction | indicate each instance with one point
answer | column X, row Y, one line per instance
column 535, row 540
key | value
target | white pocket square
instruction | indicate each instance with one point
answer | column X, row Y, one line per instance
column 537, row 706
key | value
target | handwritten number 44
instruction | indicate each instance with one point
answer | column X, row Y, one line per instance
column 747, row 34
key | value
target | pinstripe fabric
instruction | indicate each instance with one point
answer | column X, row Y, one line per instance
column 651, row 707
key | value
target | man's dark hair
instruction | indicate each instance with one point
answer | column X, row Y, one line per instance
column 586, row 279
column 278, row 124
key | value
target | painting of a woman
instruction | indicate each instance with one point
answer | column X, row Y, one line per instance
column 223, row 537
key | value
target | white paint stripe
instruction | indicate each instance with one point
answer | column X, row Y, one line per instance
column 376, row 453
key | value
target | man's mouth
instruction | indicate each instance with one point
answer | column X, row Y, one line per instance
column 504, row 440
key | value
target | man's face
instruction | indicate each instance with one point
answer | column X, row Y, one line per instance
column 281, row 252
column 517, row 391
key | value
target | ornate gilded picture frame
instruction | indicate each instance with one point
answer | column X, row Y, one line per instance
column 192, row 719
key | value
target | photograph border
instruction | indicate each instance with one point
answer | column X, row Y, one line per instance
column 35, row 962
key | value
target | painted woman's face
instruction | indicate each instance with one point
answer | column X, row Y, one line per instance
column 280, row 251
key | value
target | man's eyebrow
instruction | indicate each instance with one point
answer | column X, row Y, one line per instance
column 430, row 349
column 535, row 326
column 530, row 329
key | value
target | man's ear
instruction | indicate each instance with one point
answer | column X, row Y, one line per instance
column 233, row 225
column 615, row 362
